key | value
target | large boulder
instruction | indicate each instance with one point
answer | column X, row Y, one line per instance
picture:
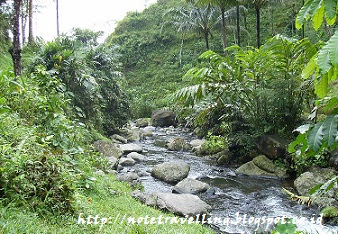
column 178, row 144
column 128, row 148
column 171, row 172
column 306, row 181
column 273, row 146
column 192, row 186
column 262, row 166
column 163, row 118
column 182, row 204
column 179, row 204
column 251, row 169
column 108, row 149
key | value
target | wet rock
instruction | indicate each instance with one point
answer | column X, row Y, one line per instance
column 262, row 166
column 126, row 162
column 143, row 122
column 108, row 149
column 128, row 148
column 306, row 181
column 129, row 177
column 272, row 146
column 113, row 160
column 178, row 144
column 196, row 144
column 171, row 172
column 135, row 156
column 163, row 118
column 118, row 139
column 189, row 185
column 179, row 204
column 182, row 204
column 251, row 169
column 134, row 135
column 149, row 128
column 146, row 133
column 223, row 158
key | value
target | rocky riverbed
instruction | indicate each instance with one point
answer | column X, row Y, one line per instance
column 178, row 181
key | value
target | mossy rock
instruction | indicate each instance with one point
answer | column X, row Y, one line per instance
column 330, row 212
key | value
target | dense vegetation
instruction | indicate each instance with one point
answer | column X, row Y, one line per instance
column 248, row 69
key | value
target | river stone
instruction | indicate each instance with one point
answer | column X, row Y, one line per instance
column 178, row 144
column 118, row 139
column 223, row 157
column 196, row 144
column 134, row 135
column 142, row 122
column 306, row 181
column 128, row 148
column 189, row 185
column 129, row 177
column 264, row 163
column 171, row 172
column 135, row 156
column 273, row 146
column 145, row 198
column 113, row 160
column 182, row 204
column 108, row 149
column 126, row 161
column 251, row 169
column 162, row 118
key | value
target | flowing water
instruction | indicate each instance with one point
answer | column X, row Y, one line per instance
column 240, row 204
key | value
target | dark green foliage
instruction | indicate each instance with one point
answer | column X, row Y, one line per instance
column 253, row 91
column 90, row 77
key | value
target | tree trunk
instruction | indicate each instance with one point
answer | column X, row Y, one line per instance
column 206, row 38
column 15, row 50
column 57, row 19
column 238, row 25
column 30, row 31
column 258, row 25
column 224, row 36
column 23, row 28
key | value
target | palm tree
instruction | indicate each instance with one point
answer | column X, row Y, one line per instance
column 196, row 18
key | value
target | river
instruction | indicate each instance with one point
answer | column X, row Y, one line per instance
column 240, row 204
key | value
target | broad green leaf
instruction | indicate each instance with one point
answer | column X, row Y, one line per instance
column 315, row 137
column 330, row 11
column 317, row 18
column 301, row 139
column 310, row 68
column 333, row 48
column 324, row 59
column 331, row 104
column 321, row 87
column 303, row 14
column 330, row 129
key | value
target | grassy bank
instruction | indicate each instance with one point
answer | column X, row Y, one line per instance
column 110, row 198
